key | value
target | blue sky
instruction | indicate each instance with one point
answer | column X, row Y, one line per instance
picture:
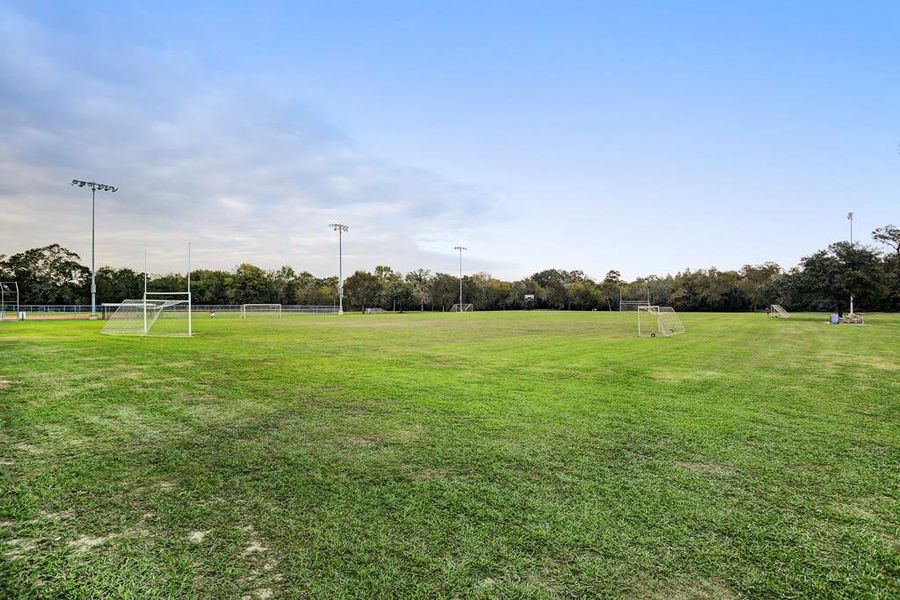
column 647, row 137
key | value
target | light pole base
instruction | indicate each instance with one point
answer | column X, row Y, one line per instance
column 94, row 317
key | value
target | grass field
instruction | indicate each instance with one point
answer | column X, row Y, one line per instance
column 530, row 454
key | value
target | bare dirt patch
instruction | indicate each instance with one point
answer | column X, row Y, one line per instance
column 28, row 448
column 676, row 376
column 425, row 473
column 408, row 435
column 704, row 467
column 18, row 547
column 264, row 578
column 197, row 536
column 253, row 547
column 856, row 512
column 86, row 543
column 363, row 441
column 686, row 589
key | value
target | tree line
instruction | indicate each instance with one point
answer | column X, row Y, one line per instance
column 823, row 280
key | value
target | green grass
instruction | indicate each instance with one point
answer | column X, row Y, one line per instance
column 480, row 455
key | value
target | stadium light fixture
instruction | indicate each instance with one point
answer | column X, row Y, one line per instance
column 95, row 187
column 340, row 228
column 460, row 248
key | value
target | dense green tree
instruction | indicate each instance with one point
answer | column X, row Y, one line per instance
column 250, row 285
column 826, row 279
column 419, row 280
column 362, row 290
column 115, row 285
column 444, row 291
column 210, row 287
column 759, row 285
column 48, row 275
column 284, row 282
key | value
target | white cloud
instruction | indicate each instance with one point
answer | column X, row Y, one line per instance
column 246, row 175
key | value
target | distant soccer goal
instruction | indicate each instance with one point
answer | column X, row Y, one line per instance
column 462, row 308
column 777, row 311
column 854, row 318
column 263, row 310
column 156, row 314
column 9, row 300
column 632, row 304
column 656, row 321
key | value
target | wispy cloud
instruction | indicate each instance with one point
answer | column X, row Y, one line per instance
column 245, row 172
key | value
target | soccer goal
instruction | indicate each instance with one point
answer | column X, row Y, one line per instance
column 462, row 308
column 157, row 314
column 854, row 318
column 777, row 311
column 9, row 299
column 656, row 321
column 260, row 310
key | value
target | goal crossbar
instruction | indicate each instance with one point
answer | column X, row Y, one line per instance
column 632, row 304
column 462, row 308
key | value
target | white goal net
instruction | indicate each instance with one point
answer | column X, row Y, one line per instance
column 656, row 321
column 854, row 318
column 777, row 311
column 262, row 310
column 157, row 314
column 462, row 308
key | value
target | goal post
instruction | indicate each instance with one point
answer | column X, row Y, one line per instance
column 9, row 299
column 270, row 310
column 462, row 308
column 662, row 321
column 777, row 311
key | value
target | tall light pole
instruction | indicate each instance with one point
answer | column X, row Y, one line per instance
column 95, row 187
column 340, row 229
column 850, row 218
column 460, row 248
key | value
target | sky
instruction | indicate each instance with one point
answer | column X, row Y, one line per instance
column 646, row 137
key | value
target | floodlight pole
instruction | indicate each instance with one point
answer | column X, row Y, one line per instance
column 189, row 298
column 850, row 218
column 460, row 248
column 340, row 228
column 144, row 303
column 103, row 188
